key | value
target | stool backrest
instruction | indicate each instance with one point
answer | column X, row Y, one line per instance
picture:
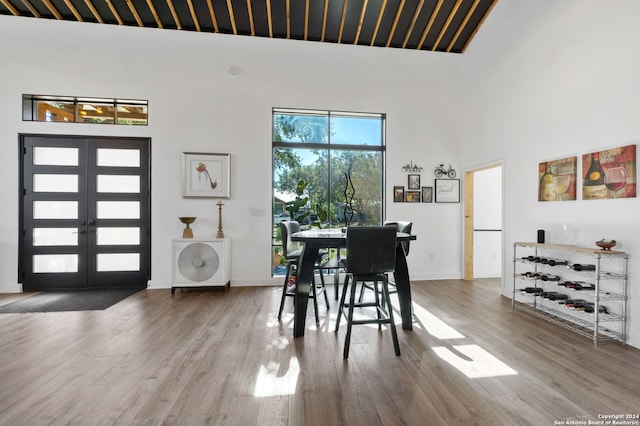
column 286, row 229
column 371, row 249
column 402, row 227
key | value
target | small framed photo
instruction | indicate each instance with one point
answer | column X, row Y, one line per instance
column 427, row 194
column 205, row 175
column 447, row 191
column 398, row 194
column 414, row 182
column 412, row 196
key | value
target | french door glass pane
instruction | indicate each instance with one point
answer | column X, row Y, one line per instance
column 55, row 263
column 55, row 236
column 118, row 236
column 112, row 157
column 55, row 183
column 119, row 183
column 55, row 209
column 118, row 210
column 110, row 262
column 47, row 156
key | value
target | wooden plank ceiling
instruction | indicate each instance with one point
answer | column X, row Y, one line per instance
column 436, row 25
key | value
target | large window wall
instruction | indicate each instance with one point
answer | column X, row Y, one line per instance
column 340, row 155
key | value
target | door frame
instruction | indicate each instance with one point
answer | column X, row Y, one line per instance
column 117, row 278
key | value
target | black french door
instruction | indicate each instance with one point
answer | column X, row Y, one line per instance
column 85, row 212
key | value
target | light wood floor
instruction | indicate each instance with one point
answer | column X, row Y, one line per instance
column 203, row 357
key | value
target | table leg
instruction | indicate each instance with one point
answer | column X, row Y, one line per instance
column 401, row 275
column 306, row 265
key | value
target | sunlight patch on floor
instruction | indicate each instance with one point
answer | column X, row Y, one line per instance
column 434, row 325
column 478, row 363
column 268, row 383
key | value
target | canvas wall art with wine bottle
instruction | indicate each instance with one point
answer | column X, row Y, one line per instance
column 557, row 180
column 609, row 174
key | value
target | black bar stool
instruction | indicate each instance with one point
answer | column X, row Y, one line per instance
column 371, row 255
column 292, row 255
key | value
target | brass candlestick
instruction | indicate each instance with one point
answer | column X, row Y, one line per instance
column 220, row 234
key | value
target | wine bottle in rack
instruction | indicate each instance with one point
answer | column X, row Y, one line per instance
column 571, row 303
column 558, row 296
column 583, row 267
column 594, row 187
column 584, row 286
column 590, row 307
column 531, row 290
column 550, row 277
column 557, row 262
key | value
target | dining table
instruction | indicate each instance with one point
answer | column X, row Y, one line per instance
column 316, row 239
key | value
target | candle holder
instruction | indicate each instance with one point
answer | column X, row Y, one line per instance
column 220, row 233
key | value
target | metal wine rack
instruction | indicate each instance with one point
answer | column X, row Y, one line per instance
column 610, row 280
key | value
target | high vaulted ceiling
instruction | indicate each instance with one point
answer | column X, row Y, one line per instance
column 437, row 25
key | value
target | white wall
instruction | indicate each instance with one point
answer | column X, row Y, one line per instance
column 196, row 104
column 551, row 79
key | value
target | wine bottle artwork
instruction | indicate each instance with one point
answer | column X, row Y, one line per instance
column 594, row 187
column 615, row 178
column 548, row 191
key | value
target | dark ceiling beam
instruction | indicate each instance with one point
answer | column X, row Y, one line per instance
column 73, row 10
column 360, row 19
column 413, row 23
column 174, row 14
column 9, row 6
column 135, row 13
column 154, row 12
column 324, row 19
column 463, row 24
column 52, row 9
column 306, row 20
column 475, row 30
column 212, row 14
column 114, row 12
column 94, row 11
column 232, row 17
column 288, row 17
column 29, row 6
column 380, row 15
column 445, row 27
column 250, row 9
column 342, row 19
column 269, row 18
column 193, row 15
column 395, row 23
column 427, row 28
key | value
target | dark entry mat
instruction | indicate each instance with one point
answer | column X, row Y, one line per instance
column 70, row 300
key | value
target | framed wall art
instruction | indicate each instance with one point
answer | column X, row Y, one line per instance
column 447, row 191
column 398, row 194
column 427, row 194
column 413, row 182
column 205, row 175
column 412, row 196
column 557, row 180
column 609, row 174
